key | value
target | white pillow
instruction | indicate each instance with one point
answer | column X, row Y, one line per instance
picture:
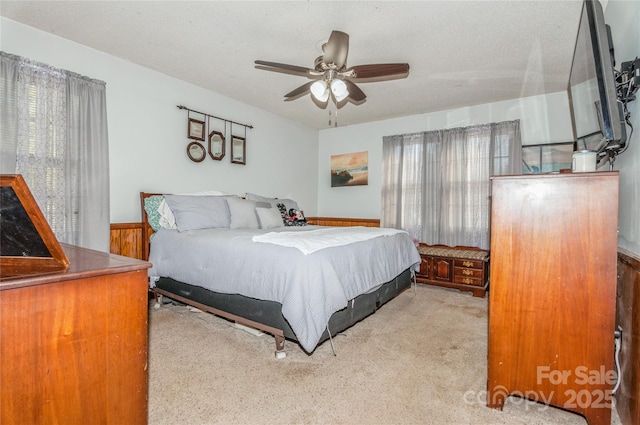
column 243, row 214
column 199, row 212
column 168, row 220
column 288, row 203
column 258, row 198
column 269, row 217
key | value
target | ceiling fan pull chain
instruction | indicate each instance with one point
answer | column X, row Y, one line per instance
column 329, row 117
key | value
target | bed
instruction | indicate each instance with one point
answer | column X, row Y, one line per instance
column 302, row 283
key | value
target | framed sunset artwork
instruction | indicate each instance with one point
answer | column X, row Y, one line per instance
column 350, row 169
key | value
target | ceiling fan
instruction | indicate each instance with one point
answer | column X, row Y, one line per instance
column 331, row 79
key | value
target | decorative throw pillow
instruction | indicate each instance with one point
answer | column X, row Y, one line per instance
column 291, row 219
column 151, row 205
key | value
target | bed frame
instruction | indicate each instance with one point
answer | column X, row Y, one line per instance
column 266, row 316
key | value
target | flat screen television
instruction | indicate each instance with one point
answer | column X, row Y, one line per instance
column 597, row 116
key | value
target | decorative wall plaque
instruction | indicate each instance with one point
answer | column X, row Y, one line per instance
column 27, row 244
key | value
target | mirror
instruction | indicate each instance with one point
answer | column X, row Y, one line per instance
column 196, row 129
column 238, row 153
column 196, row 152
column 216, row 145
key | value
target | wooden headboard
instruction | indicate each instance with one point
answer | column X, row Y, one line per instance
column 147, row 231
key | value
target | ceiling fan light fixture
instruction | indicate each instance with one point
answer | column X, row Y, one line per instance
column 319, row 90
column 339, row 89
column 330, row 77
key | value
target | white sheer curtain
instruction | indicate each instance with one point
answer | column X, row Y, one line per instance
column 54, row 133
column 436, row 184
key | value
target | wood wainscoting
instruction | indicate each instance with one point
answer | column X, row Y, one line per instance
column 628, row 319
column 127, row 239
column 343, row 222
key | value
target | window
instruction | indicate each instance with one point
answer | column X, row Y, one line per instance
column 54, row 133
column 436, row 184
column 40, row 151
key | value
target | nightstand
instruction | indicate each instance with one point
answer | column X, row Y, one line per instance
column 463, row 268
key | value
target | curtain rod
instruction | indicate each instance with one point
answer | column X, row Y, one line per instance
column 213, row 116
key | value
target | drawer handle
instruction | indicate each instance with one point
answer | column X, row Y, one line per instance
column 467, row 281
column 467, row 263
column 467, row 272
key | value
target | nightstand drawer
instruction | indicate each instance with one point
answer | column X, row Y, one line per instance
column 468, row 280
column 465, row 272
column 472, row 264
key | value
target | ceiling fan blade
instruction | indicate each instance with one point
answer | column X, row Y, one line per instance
column 303, row 89
column 355, row 93
column 336, row 49
column 378, row 72
column 284, row 68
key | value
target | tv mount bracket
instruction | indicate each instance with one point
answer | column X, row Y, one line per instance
column 628, row 80
column 627, row 83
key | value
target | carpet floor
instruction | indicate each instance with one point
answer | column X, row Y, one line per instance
column 420, row 359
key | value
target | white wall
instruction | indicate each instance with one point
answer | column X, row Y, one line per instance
column 543, row 119
column 147, row 132
column 623, row 17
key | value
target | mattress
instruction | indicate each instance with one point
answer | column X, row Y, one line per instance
column 310, row 287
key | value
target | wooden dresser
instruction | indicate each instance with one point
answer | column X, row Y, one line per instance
column 628, row 321
column 462, row 268
column 553, row 291
column 73, row 344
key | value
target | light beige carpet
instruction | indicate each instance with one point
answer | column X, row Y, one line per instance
column 420, row 359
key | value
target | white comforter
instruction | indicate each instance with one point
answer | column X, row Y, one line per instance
column 310, row 287
column 315, row 240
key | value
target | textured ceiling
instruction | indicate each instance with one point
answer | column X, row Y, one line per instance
column 461, row 53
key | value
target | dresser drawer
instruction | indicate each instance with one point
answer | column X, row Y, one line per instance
column 465, row 272
column 472, row 264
